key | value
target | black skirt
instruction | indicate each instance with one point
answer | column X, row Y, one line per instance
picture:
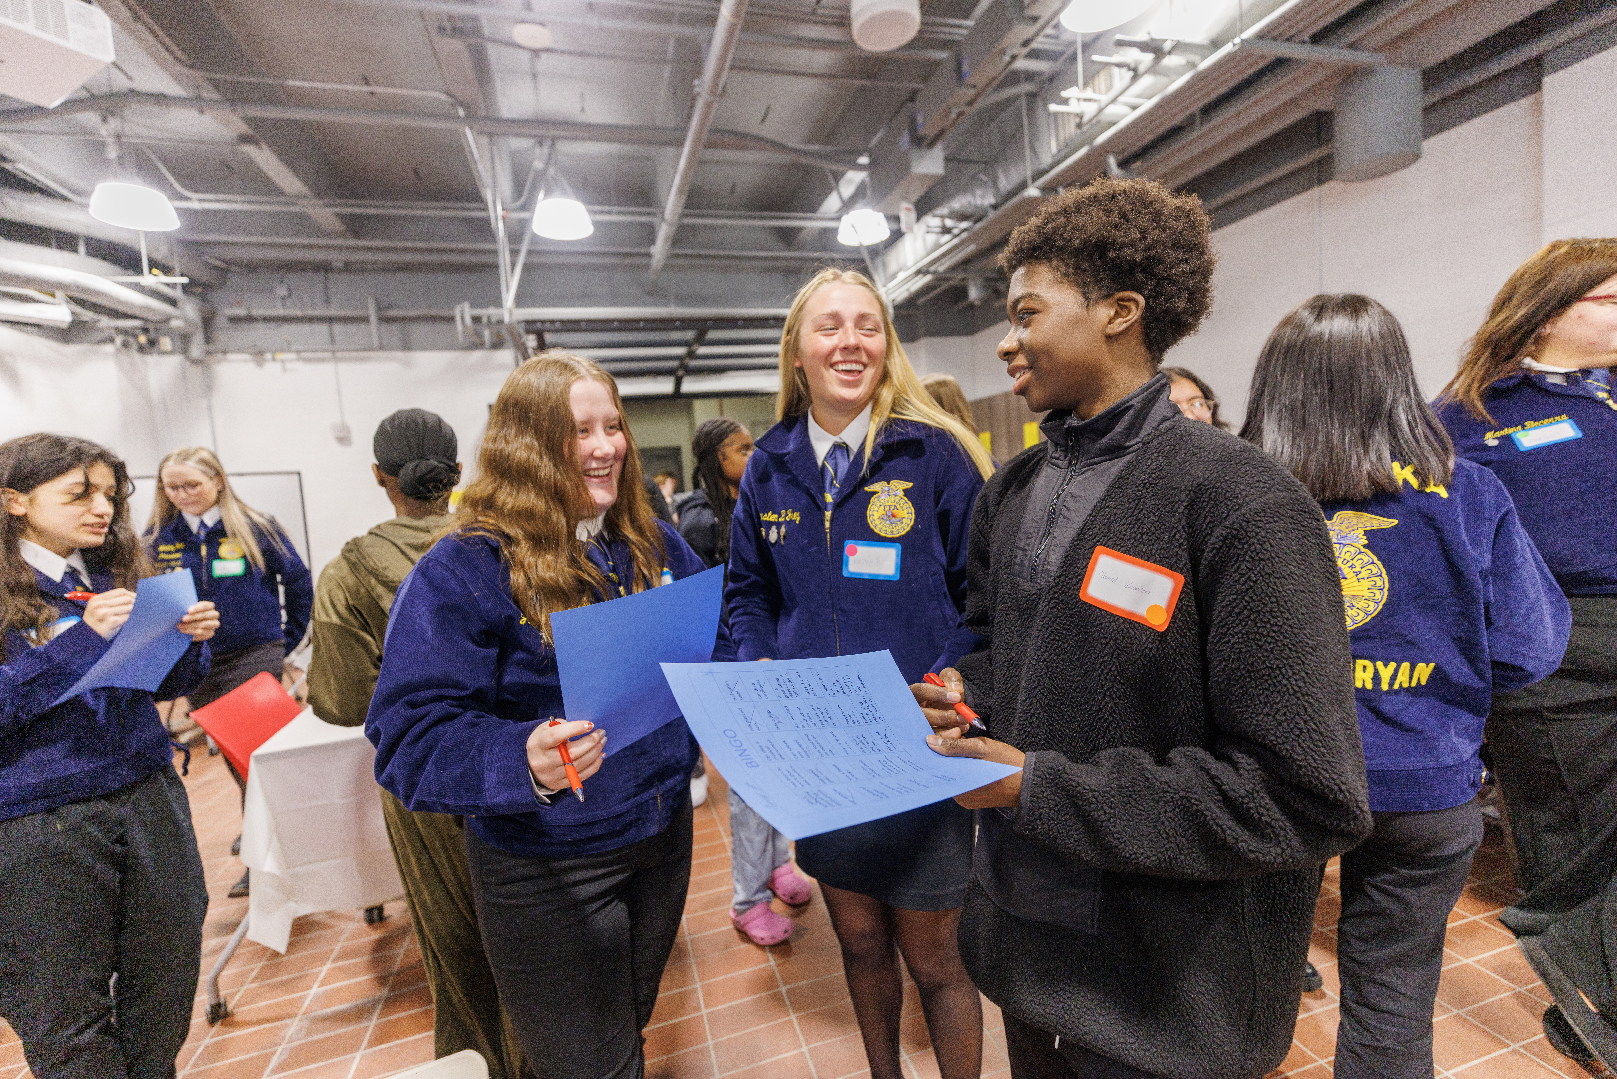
column 919, row 860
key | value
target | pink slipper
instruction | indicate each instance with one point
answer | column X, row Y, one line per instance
column 790, row 885
column 762, row 925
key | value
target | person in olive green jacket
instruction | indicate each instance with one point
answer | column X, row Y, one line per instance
column 415, row 454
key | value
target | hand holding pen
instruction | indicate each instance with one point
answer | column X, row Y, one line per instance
column 562, row 754
column 942, row 701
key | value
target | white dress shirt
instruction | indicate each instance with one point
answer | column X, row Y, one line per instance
column 52, row 564
column 852, row 436
column 199, row 525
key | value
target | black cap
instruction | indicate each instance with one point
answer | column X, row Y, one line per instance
column 419, row 448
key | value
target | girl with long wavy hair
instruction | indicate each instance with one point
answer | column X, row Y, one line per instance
column 101, row 875
column 579, row 901
column 850, row 536
column 1532, row 401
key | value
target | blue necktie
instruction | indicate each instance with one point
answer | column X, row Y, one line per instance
column 836, row 464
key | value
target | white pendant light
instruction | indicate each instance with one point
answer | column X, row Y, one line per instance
column 1093, row 16
column 861, row 228
column 883, row 25
column 531, row 35
column 132, row 206
column 562, row 219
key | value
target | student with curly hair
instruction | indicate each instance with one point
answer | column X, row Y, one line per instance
column 1163, row 656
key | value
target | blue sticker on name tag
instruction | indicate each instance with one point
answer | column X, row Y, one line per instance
column 1551, row 433
column 872, row 561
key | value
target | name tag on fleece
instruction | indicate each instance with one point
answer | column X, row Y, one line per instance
column 873, row 561
column 1138, row 590
column 1548, row 435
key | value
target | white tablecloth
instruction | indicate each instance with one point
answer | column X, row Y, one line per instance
column 312, row 830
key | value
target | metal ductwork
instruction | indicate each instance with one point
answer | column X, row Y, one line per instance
column 87, row 286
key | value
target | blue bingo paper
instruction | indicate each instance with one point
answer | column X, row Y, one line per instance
column 608, row 653
column 819, row 744
column 148, row 645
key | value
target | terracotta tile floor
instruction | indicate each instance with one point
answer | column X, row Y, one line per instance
column 350, row 1001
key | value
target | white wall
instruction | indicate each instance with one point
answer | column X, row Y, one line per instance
column 1433, row 242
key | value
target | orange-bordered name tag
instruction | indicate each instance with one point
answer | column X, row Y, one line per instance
column 1138, row 590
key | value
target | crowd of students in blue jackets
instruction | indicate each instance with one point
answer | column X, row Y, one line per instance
column 1373, row 609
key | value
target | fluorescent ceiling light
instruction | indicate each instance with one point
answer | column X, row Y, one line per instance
column 132, row 206
column 531, row 35
column 562, row 219
column 861, row 228
column 1093, row 16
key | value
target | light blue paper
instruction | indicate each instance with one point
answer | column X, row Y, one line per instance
column 819, row 744
column 148, row 645
column 608, row 654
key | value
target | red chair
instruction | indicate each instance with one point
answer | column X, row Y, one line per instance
column 247, row 717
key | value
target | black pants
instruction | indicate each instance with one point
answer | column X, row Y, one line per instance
column 578, row 946
column 1398, row 887
column 109, row 885
column 1554, row 748
column 1035, row 1055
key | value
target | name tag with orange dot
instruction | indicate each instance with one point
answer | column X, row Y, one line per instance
column 1138, row 590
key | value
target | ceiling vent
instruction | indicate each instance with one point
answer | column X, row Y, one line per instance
column 49, row 48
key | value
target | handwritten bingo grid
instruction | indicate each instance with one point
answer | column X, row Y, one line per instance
column 819, row 744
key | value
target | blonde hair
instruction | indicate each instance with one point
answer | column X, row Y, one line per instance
column 242, row 522
column 947, row 394
column 899, row 395
column 529, row 494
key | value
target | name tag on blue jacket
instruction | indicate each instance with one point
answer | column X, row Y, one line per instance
column 1548, row 435
column 875, row 561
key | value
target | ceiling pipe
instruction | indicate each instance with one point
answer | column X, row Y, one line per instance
column 87, row 286
column 726, row 32
column 500, row 127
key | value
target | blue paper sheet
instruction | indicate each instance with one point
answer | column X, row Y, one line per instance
column 608, row 654
column 819, row 744
column 148, row 645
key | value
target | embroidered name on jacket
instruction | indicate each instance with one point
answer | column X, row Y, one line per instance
column 890, row 514
column 1364, row 578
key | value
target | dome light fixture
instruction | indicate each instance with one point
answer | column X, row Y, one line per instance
column 531, row 35
column 883, row 25
column 132, row 206
column 861, row 228
column 561, row 219
column 1093, row 16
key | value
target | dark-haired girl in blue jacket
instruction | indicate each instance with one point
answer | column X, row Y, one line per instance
column 1447, row 602
column 850, row 536
column 579, row 901
column 99, row 873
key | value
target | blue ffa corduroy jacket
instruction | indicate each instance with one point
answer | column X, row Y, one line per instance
column 90, row 745
column 249, row 602
column 1447, row 602
column 789, row 595
column 1555, row 448
column 466, row 678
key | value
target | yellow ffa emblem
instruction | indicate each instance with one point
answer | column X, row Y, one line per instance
column 1364, row 578
column 229, row 548
column 890, row 514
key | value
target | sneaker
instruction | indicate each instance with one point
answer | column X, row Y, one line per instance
column 790, row 885
column 1312, row 982
column 239, row 889
column 762, row 925
column 698, row 790
column 1566, row 1041
column 235, row 848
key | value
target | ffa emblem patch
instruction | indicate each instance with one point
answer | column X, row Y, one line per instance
column 1364, row 578
column 890, row 514
column 229, row 548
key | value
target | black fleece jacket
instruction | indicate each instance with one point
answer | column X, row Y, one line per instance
column 1152, row 896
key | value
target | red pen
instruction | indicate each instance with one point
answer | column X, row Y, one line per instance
column 567, row 763
column 80, row 597
column 962, row 709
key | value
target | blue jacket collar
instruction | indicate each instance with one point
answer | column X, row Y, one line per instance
column 788, row 443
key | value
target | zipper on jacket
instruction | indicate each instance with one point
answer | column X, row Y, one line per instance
column 1050, row 514
column 836, row 632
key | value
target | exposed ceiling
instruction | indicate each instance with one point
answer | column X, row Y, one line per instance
column 353, row 163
